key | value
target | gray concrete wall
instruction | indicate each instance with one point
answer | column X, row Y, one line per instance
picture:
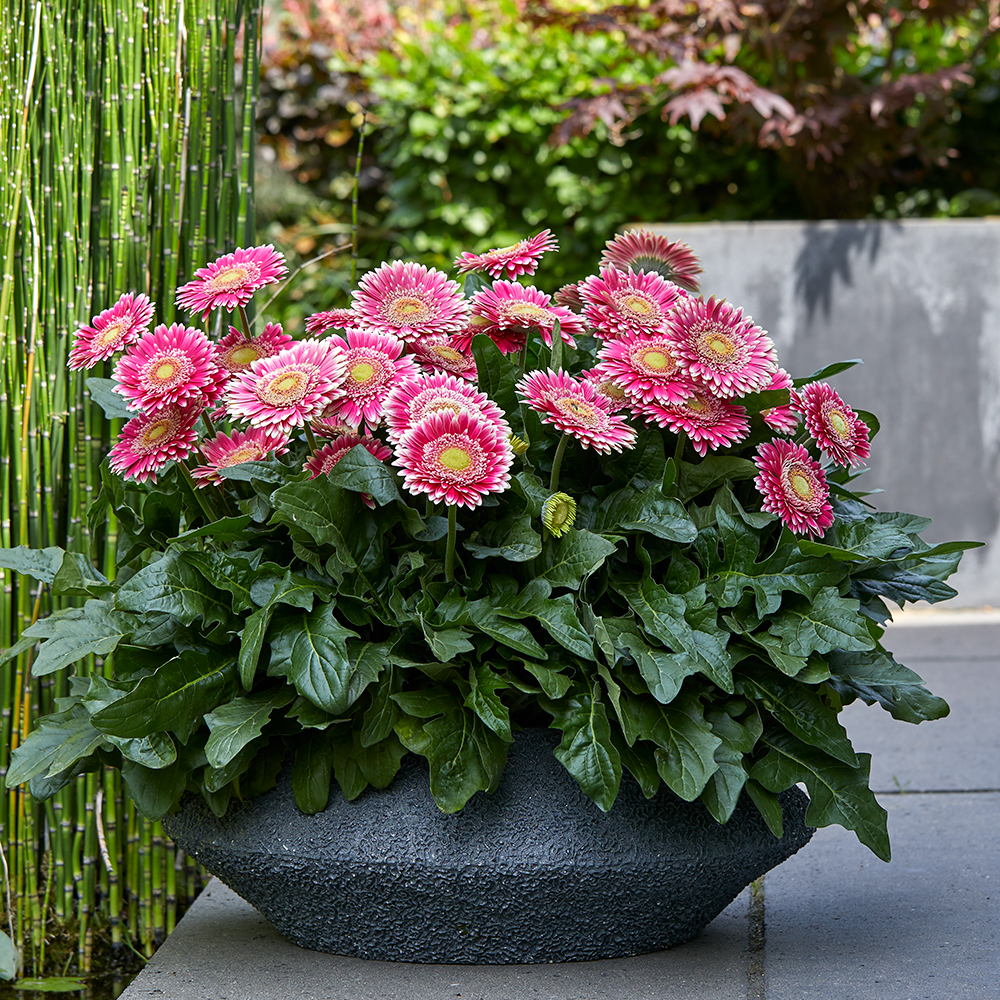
column 919, row 301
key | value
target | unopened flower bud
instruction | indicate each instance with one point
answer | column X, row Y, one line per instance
column 518, row 445
column 559, row 513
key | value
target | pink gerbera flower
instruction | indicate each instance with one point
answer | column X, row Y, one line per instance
column 576, row 408
column 708, row 421
column 783, row 419
column 840, row 433
column 618, row 302
column 643, row 250
column 172, row 365
column 509, row 262
column 411, row 401
column 322, row 461
column 410, row 301
column 445, row 355
column 613, row 396
column 231, row 280
column 151, row 440
column 509, row 340
column 289, row 389
column 332, row 319
column 372, row 367
column 569, row 297
column 111, row 331
column 645, row 367
column 510, row 306
column 793, row 487
column 455, row 457
column 719, row 346
column 225, row 450
column 236, row 353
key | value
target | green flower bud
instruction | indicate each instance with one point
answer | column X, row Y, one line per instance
column 559, row 513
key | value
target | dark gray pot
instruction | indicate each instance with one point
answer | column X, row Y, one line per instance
column 533, row 873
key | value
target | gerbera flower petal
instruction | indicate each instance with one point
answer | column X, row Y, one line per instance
column 506, row 306
column 508, row 262
column 709, row 422
column 576, row 408
column 619, row 302
column 373, row 366
column 840, row 433
column 111, row 331
column 643, row 250
column 719, row 346
column 410, row 301
column 231, row 280
column 236, row 353
column 783, row 419
column 289, row 389
column 456, row 458
column 793, row 487
column 225, row 450
column 332, row 319
column 411, row 401
column 445, row 355
column 150, row 441
column 171, row 365
column 644, row 366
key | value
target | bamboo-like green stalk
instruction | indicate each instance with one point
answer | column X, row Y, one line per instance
column 126, row 162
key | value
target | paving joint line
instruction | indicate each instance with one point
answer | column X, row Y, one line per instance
column 756, row 942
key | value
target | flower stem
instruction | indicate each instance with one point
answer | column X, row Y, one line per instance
column 557, row 462
column 310, row 437
column 199, row 496
column 245, row 322
column 449, row 552
column 682, row 440
column 208, row 423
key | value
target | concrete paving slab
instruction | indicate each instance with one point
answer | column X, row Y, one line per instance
column 223, row 949
column 842, row 925
column 958, row 753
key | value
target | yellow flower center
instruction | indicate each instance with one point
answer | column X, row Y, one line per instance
column 408, row 307
column 802, row 484
column 362, row 371
column 656, row 359
column 448, row 353
column 155, row 431
column 165, row 371
column 285, row 387
column 233, row 277
column 113, row 332
column 455, row 459
column 244, row 355
column 245, row 453
column 579, row 409
column 527, row 310
column 840, row 424
column 697, row 405
column 720, row 345
column 638, row 305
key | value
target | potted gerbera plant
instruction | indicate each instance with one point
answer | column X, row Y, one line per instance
column 603, row 533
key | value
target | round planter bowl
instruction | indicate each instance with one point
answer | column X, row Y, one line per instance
column 534, row 872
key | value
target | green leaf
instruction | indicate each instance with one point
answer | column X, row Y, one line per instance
column 511, row 538
column 155, row 751
column 173, row 586
column 232, row 572
column 8, row 958
column 838, row 793
column 768, row 805
column 484, row 701
column 557, row 615
column 312, row 771
column 663, row 615
column 828, row 372
column 587, row 750
column 712, row 471
column 685, row 743
column 233, row 725
column 463, row 755
column 900, row 585
column 226, row 529
column 155, row 792
column 102, row 392
column 802, row 712
column 446, row 643
column 663, row 671
column 381, row 715
column 311, row 650
column 95, row 628
column 496, row 376
column 176, row 698
column 553, row 683
column 569, row 560
column 786, row 569
column 826, row 622
column 47, row 743
column 504, row 631
column 41, row 564
column 876, row 677
column 319, row 512
column 361, row 472
column 858, row 541
column 77, row 577
column 626, row 511
column 774, row 647
column 270, row 471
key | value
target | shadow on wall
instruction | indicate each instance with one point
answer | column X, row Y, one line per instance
column 826, row 255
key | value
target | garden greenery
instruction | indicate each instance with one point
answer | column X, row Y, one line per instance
column 616, row 518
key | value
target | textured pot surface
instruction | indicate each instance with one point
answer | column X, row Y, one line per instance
column 533, row 873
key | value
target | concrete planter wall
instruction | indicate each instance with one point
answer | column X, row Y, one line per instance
column 919, row 301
